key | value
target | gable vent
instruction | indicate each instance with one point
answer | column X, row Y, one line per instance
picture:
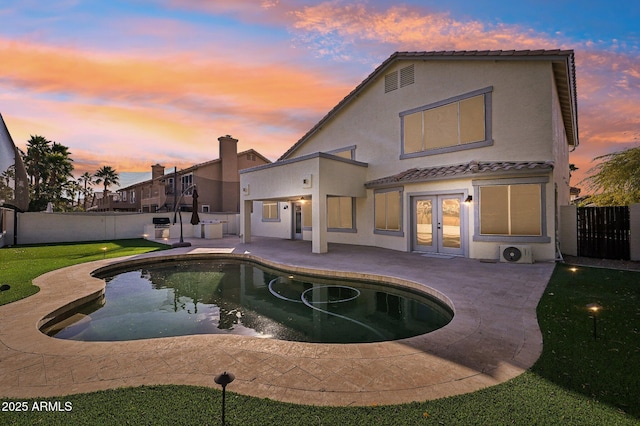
column 407, row 76
column 391, row 81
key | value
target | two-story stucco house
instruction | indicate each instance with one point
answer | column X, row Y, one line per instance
column 457, row 153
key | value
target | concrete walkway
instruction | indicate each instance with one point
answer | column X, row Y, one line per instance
column 494, row 335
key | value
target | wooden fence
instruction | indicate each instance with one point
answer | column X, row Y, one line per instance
column 604, row 232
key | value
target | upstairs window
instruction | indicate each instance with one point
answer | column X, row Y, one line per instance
column 186, row 181
column 457, row 123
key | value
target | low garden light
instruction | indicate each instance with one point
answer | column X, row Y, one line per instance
column 104, row 252
column 594, row 308
column 223, row 380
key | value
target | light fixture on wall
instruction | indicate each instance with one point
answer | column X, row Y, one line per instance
column 469, row 199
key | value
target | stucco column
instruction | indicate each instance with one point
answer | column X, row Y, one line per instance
column 245, row 220
column 569, row 230
column 319, row 224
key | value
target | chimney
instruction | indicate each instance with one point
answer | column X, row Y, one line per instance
column 157, row 171
column 230, row 193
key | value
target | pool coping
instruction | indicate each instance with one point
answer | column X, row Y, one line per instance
column 493, row 337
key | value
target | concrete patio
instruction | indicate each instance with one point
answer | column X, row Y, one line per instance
column 494, row 335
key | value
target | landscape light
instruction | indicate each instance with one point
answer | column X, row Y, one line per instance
column 223, row 380
column 594, row 308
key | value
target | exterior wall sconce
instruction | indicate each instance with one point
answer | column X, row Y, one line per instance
column 594, row 308
column 469, row 199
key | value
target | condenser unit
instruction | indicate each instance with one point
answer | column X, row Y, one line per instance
column 516, row 254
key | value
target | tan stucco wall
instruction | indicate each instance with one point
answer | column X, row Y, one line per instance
column 569, row 230
column 37, row 228
column 526, row 124
column 521, row 110
column 561, row 177
column 312, row 178
column 273, row 229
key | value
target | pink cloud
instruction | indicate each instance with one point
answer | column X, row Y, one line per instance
column 187, row 87
column 177, row 100
column 163, row 79
column 404, row 28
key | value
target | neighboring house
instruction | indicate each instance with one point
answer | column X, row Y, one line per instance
column 451, row 153
column 14, row 186
column 14, row 183
column 575, row 194
column 217, row 182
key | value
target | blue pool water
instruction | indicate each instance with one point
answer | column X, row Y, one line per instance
column 231, row 297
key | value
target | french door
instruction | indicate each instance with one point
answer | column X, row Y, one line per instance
column 436, row 224
column 296, row 222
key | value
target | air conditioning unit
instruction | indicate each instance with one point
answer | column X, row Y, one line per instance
column 516, row 254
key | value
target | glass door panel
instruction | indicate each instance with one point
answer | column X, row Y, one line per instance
column 450, row 219
column 424, row 222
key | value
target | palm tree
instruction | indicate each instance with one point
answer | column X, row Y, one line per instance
column 107, row 176
column 58, row 173
column 35, row 162
column 85, row 180
column 67, row 202
column 49, row 166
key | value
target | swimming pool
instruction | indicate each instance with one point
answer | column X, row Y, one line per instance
column 228, row 296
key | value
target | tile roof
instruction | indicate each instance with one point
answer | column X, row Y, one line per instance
column 457, row 170
column 565, row 76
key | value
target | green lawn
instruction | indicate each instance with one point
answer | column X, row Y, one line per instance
column 578, row 380
column 19, row 265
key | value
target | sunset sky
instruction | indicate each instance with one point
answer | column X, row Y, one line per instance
column 130, row 83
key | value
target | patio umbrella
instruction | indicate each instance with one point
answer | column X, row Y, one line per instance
column 195, row 219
